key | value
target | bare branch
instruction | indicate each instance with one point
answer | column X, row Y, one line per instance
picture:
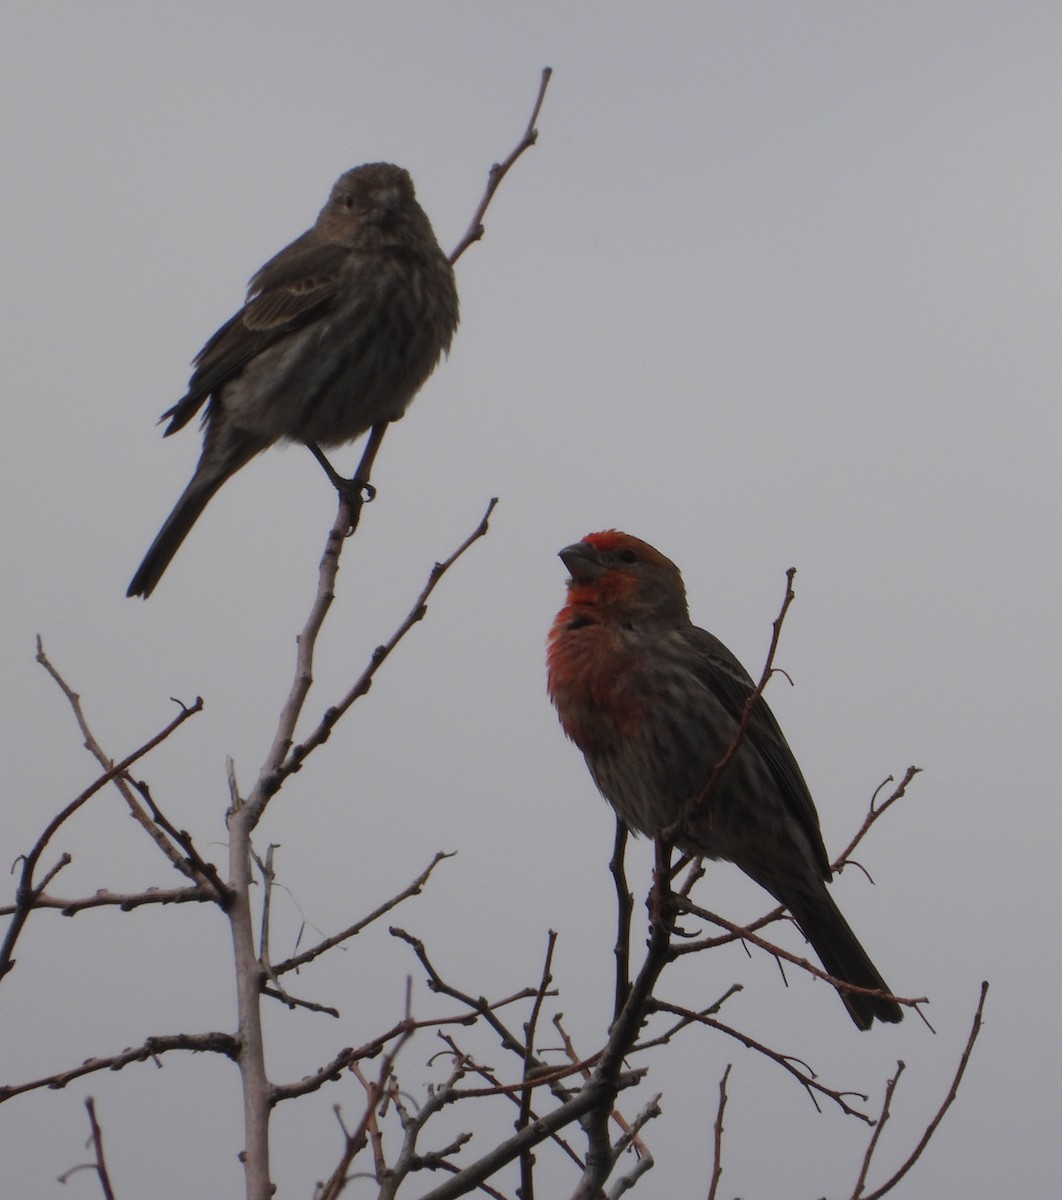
column 409, row 1159
column 250, row 977
column 624, row 910
column 631, row 1140
column 717, row 1152
column 514, row 1092
column 356, row 1141
column 97, row 1143
column 116, row 774
column 275, row 772
column 499, row 170
column 796, row 1067
column 746, row 935
column 697, row 801
column 213, row 1043
column 779, row 913
column 624, row 1034
column 126, row 901
column 591, row 1096
column 201, row 870
column 28, row 893
column 414, row 889
column 874, row 813
column 527, row 1186
column 477, row 1005
column 333, row 1070
column 949, row 1099
column 879, row 1129
column 584, row 1065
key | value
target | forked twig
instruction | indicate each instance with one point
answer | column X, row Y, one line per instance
column 931, row 1128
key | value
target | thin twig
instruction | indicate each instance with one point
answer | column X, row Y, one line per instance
column 499, row 170
column 332, row 1071
column 717, row 1141
column 126, row 901
column 746, row 935
column 796, row 1067
column 879, row 1129
column 623, row 1035
column 97, row 1143
column 272, row 777
column 581, row 1103
column 198, row 1043
column 875, row 812
column 514, row 1092
column 527, row 1186
column 116, row 774
column 414, row 889
column 28, row 893
column 200, row 868
column 631, row 1140
column 949, row 1099
column 356, row 1141
column 702, row 797
column 624, row 910
column 629, row 1131
column 409, row 1159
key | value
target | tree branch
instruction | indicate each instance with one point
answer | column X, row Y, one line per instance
column 414, row 889
column 498, row 171
column 933, row 1125
column 275, row 772
column 198, row 1043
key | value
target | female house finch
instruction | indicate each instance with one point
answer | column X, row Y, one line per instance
column 338, row 332
column 654, row 703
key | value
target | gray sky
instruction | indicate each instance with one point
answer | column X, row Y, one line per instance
column 780, row 286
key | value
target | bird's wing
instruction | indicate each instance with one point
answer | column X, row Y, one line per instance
column 732, row 685
column 295, row 287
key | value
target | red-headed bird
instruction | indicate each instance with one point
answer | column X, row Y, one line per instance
column 654, row 703
column 338, row 332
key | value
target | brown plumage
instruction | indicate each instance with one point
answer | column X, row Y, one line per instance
column 654, row 703
column 338, row 333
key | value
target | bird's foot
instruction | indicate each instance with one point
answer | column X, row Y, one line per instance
column 355, row 495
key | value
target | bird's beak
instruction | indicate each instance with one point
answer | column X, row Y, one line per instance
column 583, row 561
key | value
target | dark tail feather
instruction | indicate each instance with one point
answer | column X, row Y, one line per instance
column 844, row 958
column 186, row 512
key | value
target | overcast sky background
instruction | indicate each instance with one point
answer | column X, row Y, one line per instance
column 781, row 285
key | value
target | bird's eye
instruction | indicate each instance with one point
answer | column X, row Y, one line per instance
column 628, row 556
column 348, row 201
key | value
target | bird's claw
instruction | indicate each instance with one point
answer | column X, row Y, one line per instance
column 355, row 494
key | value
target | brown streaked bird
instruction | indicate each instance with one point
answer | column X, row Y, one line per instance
column 654, row 703
column 338, row 332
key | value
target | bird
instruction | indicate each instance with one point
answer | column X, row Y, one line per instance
column 654, row 703
column 338, row 332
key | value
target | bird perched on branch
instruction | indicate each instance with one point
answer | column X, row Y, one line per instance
column 338, row 333
column 654, row 703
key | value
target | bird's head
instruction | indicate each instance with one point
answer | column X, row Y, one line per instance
column 625, row 578
column 374, row 194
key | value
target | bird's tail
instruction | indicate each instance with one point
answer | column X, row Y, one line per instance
column 843, row 957
column 186, row 512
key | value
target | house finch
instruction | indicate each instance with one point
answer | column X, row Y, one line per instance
column 654, row 703
column 338, row 332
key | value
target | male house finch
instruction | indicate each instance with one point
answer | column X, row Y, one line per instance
column 338, row 332
column 654, row 703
